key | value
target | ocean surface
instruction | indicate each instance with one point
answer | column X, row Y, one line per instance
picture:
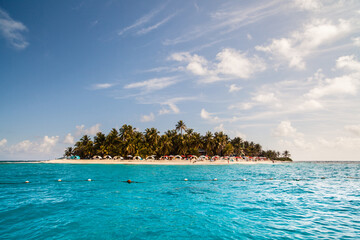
column 282, row 201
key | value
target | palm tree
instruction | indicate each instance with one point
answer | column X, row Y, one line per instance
column 113, row 143
column 100, row 144
column 128, row 141
column 286, row 154
column 221, row 140
column 237, row 144
column 180, row 126
column 208, row 143
column 228, row 149
column 84, row 147
column 165, row 145
column 151, row 140
column 68, row 152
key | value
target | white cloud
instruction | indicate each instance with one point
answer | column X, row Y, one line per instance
column 102, row 86
column 265, row 98
column 81, row 130
column 285, row 129
column 164, row 111
column 172, row 108
column 171, row 105
column 310, row 105
column 69, row 139
column 152, row 84
column 237, row 64
column 234, row 88
column 339, row 86
column 23, row 146
column 340, row 143
column 219, row 128
column 148, row 118
column 204, row 114
column 231, row 64
column 215, row 119
column 348, row 63
column 196, row 64
column 354, row 129
column 242, row 106
column 12, row 30
column 345, row 85
column 48, row 143
column 231, row 133
column 249, row 36
column 301, row 44
column 3, row 142
column 356, row 41
column 44, row 146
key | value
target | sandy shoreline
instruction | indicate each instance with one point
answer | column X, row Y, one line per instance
column 150, row 162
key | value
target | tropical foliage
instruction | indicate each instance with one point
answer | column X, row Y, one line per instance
column 128, row 141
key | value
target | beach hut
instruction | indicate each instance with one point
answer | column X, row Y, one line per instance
column 96, row 157
column 193, row 157
column 151, row 157
column 129, row 157
column 164, row 157
column 107, row 157
column 177, row 157
column 216, row 157
column 118, row 158
column 137, row 158
column 203, row 157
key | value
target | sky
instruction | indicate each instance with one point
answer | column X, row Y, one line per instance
column 285, row 74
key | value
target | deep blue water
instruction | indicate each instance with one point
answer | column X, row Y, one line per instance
column 296, row 204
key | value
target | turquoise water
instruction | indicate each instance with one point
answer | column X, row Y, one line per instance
column 296, row 204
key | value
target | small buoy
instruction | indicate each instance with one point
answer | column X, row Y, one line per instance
column 26, row 181
column 59, row 180
column 244, row 179
column 185, row 179
column 89, row 180
column 298, row 179
column 322, row 177
column 215, row 179
column 128, row 181
column 271, row 178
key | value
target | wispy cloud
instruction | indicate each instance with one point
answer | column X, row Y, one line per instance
column 12, row 31
column 143, row 20
column 152, row 84
column 231, row 18
column 102, row 86
column 155, row 26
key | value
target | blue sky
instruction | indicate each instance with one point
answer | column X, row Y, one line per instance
column 285, row 74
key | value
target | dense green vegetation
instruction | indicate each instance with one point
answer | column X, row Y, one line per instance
column 128, row 141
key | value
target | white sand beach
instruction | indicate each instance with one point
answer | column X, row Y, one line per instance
column 155, row 162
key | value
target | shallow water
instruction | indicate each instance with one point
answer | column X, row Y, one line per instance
column 296, row 204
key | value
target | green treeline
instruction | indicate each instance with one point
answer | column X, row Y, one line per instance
column 181, row 140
